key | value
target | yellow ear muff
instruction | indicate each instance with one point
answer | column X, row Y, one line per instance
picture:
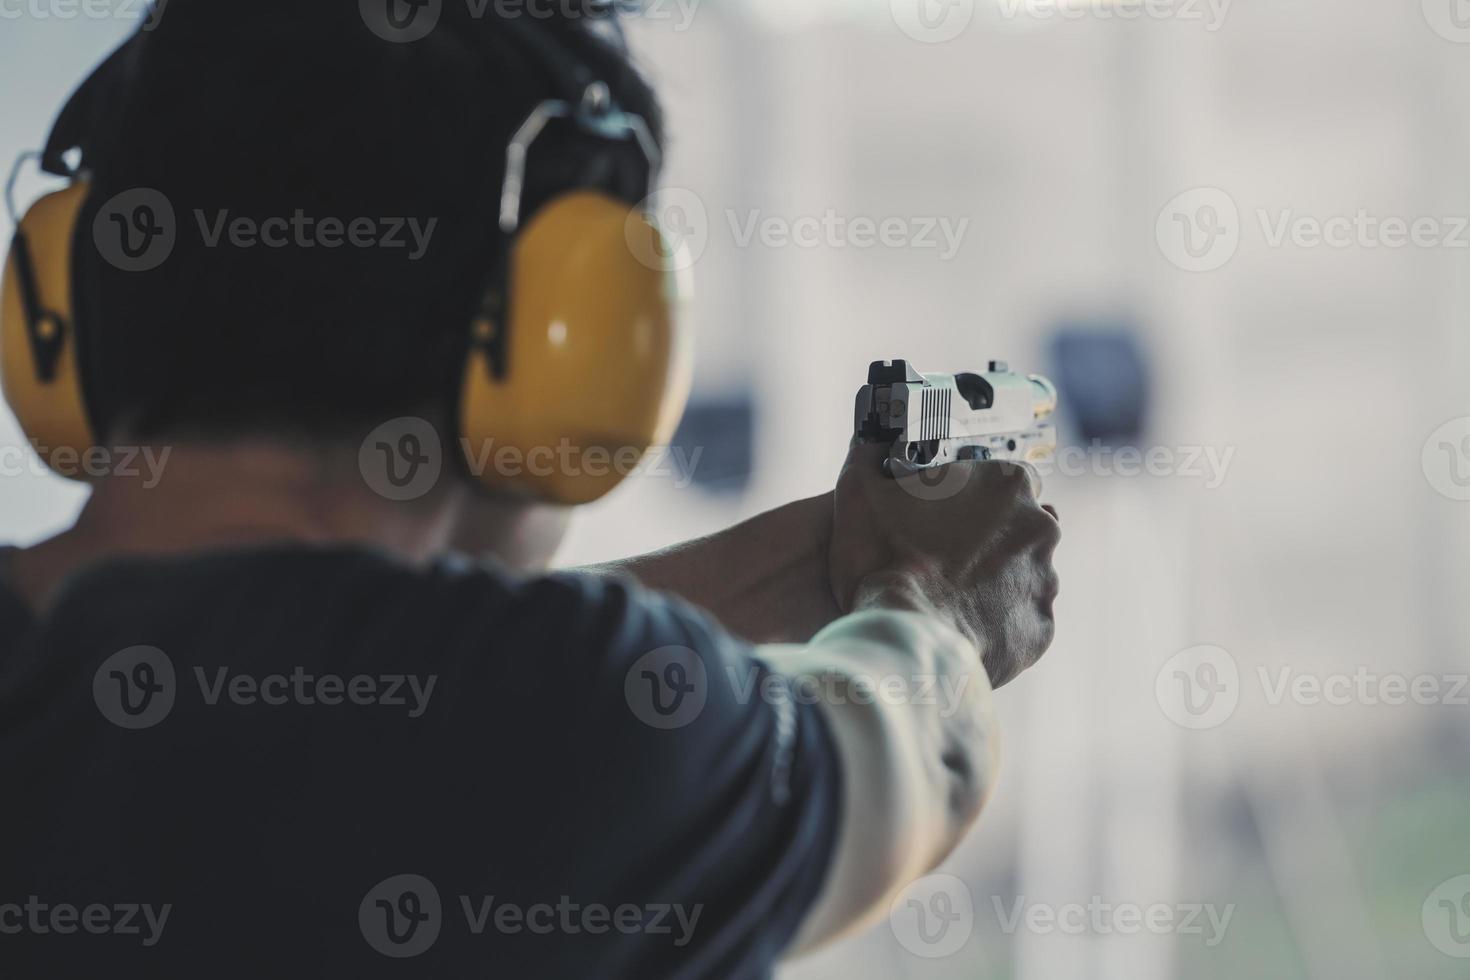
column 45, row 389
column 596, row 361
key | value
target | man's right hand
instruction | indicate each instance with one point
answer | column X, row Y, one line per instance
column 975, row 549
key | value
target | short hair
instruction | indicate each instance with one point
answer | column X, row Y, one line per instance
column 263, row 110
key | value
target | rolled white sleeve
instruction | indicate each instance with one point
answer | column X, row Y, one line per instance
column 910, row 709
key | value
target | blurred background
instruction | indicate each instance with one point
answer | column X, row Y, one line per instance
column 1214, row 773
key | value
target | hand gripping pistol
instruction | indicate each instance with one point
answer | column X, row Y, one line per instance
column 933, row 419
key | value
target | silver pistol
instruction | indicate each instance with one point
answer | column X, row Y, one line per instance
column 933, row 419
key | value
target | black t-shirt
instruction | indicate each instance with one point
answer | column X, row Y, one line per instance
column 317, row 763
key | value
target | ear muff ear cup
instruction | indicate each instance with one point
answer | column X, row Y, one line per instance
column 43, row 386
column 596, row 357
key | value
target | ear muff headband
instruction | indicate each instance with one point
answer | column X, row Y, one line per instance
column 581, row 359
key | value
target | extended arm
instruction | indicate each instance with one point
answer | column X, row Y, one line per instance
column 765, row 579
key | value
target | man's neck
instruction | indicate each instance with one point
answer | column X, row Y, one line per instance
column 208, row 498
